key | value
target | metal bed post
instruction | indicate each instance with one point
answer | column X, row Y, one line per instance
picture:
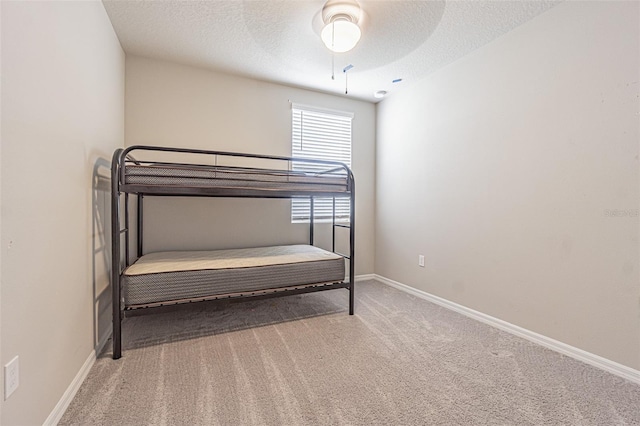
column 352, row 246
column 333, row 226
column 139, row 224
column 311, row 217
column 126, row 227
column 115, row 255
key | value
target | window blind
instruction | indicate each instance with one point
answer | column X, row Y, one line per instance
column 323, row 135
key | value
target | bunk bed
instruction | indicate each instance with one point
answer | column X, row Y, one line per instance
column 148, row 280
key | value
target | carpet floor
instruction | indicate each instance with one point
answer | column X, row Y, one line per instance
column 302, row 360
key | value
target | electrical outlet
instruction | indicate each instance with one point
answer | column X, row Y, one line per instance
column 421, row 260
column 11, row 377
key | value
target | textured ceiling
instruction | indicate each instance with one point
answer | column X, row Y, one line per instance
column 278, row 41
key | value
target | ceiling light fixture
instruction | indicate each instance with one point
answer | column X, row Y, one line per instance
column 380, row 94
column 341, row 32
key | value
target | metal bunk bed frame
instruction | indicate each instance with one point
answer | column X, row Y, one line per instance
column 119, row 186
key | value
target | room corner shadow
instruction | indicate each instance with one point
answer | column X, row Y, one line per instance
column 101, row 248
column 177, row 323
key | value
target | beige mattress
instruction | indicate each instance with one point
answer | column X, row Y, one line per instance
column 192, row 176
column 190, row 275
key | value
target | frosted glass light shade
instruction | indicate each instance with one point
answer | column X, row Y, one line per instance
column 340, row 35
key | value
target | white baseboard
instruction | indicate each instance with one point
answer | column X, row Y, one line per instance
column 365, row 277
column 71, row 391
column 597, row 361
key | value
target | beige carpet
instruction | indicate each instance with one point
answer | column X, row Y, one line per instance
column 302, row 360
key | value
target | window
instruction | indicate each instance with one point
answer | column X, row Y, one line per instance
column 324, row 135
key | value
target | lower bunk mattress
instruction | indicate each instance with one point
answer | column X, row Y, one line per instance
column 182, row 276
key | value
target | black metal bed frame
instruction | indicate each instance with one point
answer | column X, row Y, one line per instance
column 119, row 186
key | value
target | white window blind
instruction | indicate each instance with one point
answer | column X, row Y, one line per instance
column 323, row 135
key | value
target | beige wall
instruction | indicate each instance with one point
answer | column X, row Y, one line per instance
column 1, row 209
column 62, row 113
column 515, row 172
column 176, row 105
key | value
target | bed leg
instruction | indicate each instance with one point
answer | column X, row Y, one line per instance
column 351, row 297
column 117, row 337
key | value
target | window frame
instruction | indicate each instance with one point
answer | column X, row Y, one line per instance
column 317, row 115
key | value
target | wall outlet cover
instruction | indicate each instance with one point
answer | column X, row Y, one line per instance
column 11, row 377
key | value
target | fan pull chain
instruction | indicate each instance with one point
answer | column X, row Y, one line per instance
column 333, row 66
column 346, row 79
column 333, row 55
